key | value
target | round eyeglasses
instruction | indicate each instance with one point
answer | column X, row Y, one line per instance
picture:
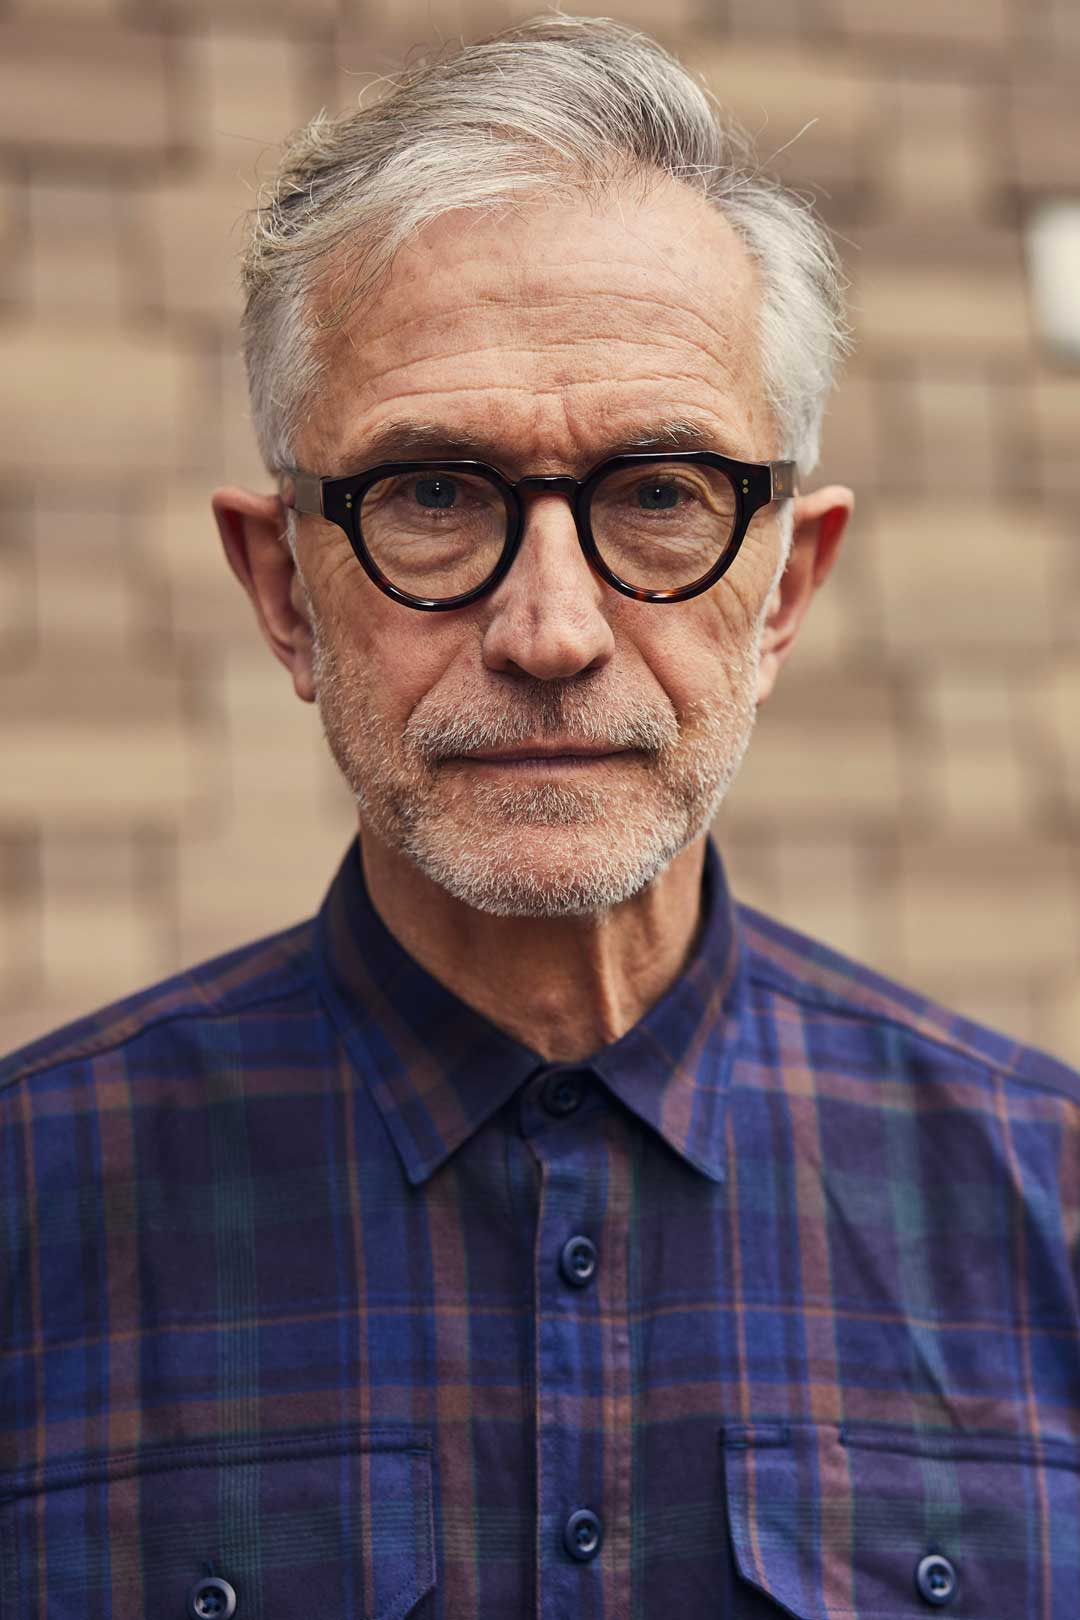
column 440, row 534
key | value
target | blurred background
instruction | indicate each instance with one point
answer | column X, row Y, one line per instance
column 912, row 791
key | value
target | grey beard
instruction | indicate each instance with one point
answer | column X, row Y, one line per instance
column 590, row 865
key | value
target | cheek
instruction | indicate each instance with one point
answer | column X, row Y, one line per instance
column 411, row 655
column 697, row 650
column 744, row 588
column 394, row 653
column 738, row 604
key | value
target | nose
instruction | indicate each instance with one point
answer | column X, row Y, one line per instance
column 547, row 617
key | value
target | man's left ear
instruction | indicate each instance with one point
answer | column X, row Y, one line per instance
column 820, row 520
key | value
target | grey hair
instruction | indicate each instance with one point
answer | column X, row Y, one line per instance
column 556, row 105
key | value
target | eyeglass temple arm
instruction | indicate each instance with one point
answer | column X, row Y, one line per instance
column 304, row 493
column 784, row 474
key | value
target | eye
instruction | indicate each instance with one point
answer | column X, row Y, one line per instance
column 657, row 496
column 437, row 494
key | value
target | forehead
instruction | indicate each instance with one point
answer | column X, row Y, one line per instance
column 561, row 325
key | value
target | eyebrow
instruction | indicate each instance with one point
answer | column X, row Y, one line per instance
column 405, row 439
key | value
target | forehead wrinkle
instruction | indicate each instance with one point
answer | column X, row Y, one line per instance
column 403, row 438
column 684, row 217
column 664, row 363
column 583, row 370
column 448, row 290
column 613, row 291
column 573, row 425
column 711, row 388
column 581, row 327
column 538, row 354
column 688, row 345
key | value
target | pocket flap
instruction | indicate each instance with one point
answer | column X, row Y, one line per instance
column 338, row 1524
column 834, row 1522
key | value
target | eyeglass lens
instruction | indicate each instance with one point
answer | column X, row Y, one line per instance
column 436, row 534
column 441, row 532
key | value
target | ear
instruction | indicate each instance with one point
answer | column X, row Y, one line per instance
column 253, row 532
column 820, row 520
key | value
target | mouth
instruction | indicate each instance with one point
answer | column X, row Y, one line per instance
column 542, row 757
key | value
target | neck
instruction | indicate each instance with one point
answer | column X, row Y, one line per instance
column 563, row 986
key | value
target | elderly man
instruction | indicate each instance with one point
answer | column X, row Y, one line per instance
column 536, row 1231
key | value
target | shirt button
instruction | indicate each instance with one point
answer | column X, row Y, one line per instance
column 577, row 1262
column 935, row 1579
column 583, row 1535
column 562, row 1093
column 211, row 1599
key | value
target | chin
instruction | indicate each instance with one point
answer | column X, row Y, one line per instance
column 545, row 869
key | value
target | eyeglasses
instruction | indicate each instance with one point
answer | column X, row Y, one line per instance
column 436, row 535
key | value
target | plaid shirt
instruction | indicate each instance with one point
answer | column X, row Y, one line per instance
column 324, row 1298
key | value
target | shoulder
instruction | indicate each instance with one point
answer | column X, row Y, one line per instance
column 852, row 1015
column 175, row 1014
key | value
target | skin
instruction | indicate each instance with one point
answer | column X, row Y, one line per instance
column 560, row 327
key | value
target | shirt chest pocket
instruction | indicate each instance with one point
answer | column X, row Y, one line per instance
column 335, row 1525
column 878, row 1523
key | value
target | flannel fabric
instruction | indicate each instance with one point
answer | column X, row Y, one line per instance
column 325, row 1298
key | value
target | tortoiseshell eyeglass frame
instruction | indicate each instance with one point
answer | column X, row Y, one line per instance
column 338, row 500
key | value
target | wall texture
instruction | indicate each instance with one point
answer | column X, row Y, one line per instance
column 912, row 792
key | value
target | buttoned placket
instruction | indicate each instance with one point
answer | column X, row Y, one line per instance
column 580, row 1139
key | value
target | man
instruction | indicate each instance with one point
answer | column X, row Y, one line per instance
column 535, row 1230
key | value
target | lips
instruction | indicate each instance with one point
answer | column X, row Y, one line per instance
column 524, row 753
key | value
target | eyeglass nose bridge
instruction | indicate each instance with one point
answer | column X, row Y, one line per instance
column 549, row 484
column 557, row 484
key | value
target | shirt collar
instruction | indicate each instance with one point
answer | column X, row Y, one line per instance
column 437, row 1069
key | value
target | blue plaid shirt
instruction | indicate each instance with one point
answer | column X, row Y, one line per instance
column 326, row 1298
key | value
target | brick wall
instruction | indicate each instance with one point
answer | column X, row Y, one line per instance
column 912, row 793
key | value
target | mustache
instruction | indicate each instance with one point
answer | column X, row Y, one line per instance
column 539, row 712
